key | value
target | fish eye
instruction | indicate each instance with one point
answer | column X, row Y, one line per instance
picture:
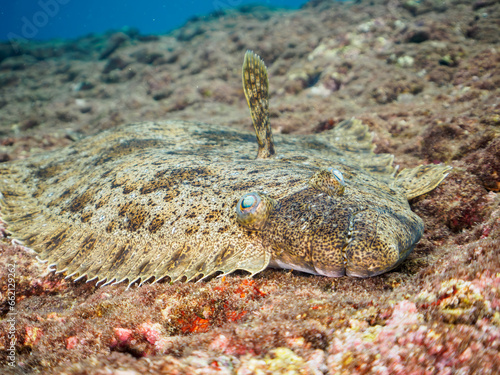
column 337, row 174
column 253, row 210
column 330, row 181
column 248, row 201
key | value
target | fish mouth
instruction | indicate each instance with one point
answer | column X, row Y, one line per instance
column 372, row 245
column 379, row 241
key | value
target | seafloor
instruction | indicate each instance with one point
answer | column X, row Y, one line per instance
column 424, row 75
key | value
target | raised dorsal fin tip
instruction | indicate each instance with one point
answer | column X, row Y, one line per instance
column 256, row 88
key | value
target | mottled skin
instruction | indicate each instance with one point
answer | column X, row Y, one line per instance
column 161, row 199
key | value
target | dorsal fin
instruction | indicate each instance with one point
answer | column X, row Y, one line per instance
column 256, row 88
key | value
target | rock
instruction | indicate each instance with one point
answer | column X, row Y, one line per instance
column 116, row 62
column 114, row 42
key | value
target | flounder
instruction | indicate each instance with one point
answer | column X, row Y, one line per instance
column 188, row 200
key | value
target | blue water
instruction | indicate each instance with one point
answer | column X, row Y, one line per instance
column 68, row 19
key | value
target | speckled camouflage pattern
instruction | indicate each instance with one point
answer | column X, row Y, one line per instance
column 158, row 200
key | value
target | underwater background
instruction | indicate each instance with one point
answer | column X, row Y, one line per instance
column 48, row 19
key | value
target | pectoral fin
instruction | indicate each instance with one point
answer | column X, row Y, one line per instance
column 422, row 179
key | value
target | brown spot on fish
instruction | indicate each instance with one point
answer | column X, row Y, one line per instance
column 79, row 202
column 126, row 147
column 157, row 184
column 55, row 240
column 245, row 185
column 192, row 229
column 223, row 256
column 156, row 224
column 120, row 256
column 134, row 214
column 213, row 215
column 86, row 216
column 88, row 243
column 171, row 194
column 111, row 227
column 178, row 257
column 49, row 171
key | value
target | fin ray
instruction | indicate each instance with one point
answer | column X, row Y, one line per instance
column 256, row 88
column 354, row 138
column 422, row 179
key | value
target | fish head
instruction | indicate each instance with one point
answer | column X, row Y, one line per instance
column 333, row 227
